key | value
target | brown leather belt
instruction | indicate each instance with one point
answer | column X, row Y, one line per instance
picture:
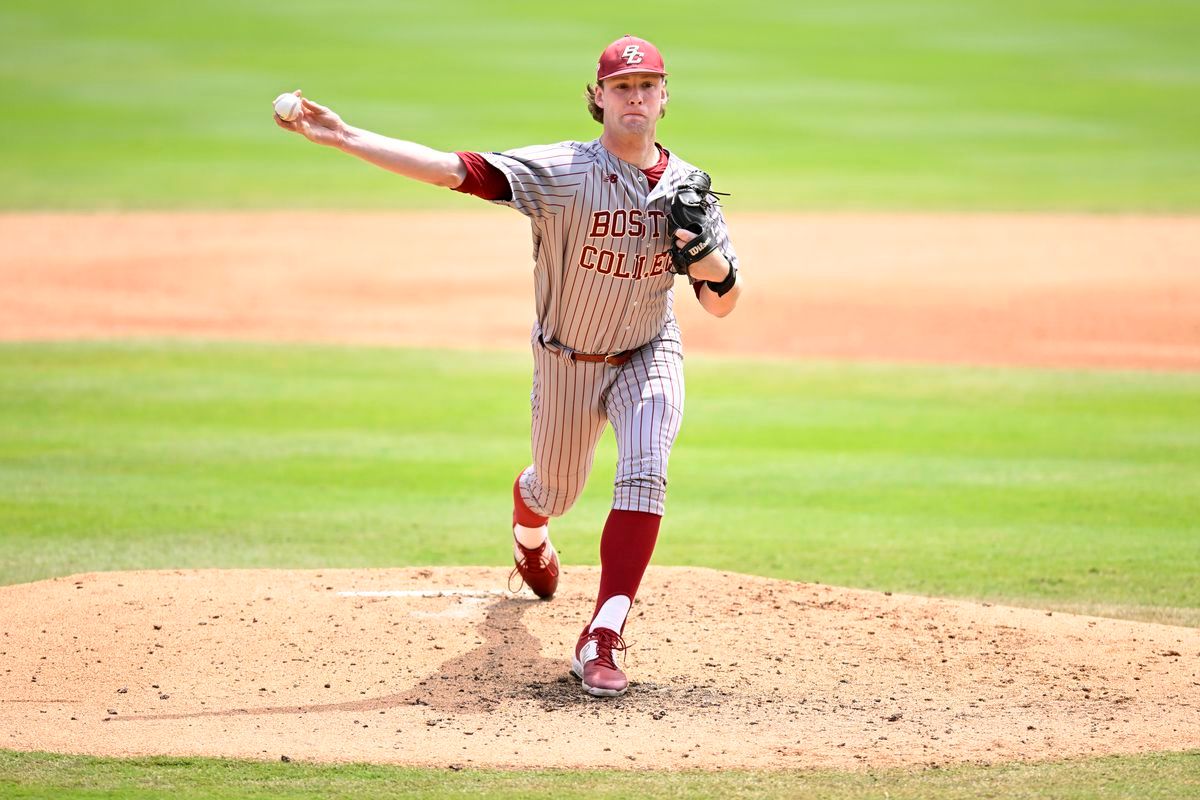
column 615, row 359
column 612, row 359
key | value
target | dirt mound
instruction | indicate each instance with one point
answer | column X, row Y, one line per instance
column 442, row 667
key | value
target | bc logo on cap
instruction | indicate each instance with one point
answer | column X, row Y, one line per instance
column 633, row 55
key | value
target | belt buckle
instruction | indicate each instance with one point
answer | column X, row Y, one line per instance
column 610, row 359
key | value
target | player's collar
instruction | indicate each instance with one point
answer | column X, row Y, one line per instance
column 666, row 184
column 617, row 158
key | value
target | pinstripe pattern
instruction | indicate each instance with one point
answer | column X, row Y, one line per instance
column 645, row 406
column 571, row 402
column 584, row 300
column 602, row 284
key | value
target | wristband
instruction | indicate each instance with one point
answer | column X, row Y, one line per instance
column 722, row 288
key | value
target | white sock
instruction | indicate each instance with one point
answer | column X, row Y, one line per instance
column 531, row 538
column 612, row 614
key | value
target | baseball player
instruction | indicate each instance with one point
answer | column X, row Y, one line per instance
column 615, row 221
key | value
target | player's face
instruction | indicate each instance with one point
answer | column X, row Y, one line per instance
column 633, row 103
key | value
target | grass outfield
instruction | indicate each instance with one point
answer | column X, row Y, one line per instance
column 1041, row 488
column 1065, row 104
column 1173, row 776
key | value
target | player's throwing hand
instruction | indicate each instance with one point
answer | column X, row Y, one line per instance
column 316, row 123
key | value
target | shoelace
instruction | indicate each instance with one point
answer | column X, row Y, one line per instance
column 544, row 564
column 606, row 642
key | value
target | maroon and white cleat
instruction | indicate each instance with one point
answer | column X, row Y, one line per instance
column 595, row 665
column 537, row 566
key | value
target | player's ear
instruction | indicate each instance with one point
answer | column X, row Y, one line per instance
column 599, row 94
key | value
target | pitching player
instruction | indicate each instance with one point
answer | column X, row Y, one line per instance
column 615, row 221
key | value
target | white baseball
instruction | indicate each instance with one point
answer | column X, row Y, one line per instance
column 287, row 106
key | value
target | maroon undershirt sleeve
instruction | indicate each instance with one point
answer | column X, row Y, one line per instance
column 486, row 181
column 483, row 180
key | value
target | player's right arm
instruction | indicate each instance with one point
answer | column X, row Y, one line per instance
column 320, row 125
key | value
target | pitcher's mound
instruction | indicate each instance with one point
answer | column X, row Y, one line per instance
column 442, row 667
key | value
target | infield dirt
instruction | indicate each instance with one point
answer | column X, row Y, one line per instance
column 1066, row 291
column 763, row 673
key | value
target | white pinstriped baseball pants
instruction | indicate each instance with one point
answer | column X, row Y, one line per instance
column 571, row 402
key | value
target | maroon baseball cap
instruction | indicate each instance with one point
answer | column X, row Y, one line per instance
column 629, row 54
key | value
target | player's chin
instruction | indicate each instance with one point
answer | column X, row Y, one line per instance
column 635, row 122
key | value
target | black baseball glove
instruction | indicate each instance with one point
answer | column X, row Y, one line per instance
column 689, row 210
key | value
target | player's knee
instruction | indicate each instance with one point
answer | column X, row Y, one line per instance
column 559, row 495
column 642, row 471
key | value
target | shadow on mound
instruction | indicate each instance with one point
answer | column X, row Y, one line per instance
column 468, row 684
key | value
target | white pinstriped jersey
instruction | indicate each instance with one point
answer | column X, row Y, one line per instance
column 602, row 276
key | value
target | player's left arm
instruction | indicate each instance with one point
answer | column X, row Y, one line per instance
column 713, row 270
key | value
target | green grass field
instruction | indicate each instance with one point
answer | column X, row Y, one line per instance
column 1043, row 488
column 1071, row 104
column 1174, row 776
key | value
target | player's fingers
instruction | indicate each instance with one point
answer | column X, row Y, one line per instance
column 316, row 107
column 683, row 236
